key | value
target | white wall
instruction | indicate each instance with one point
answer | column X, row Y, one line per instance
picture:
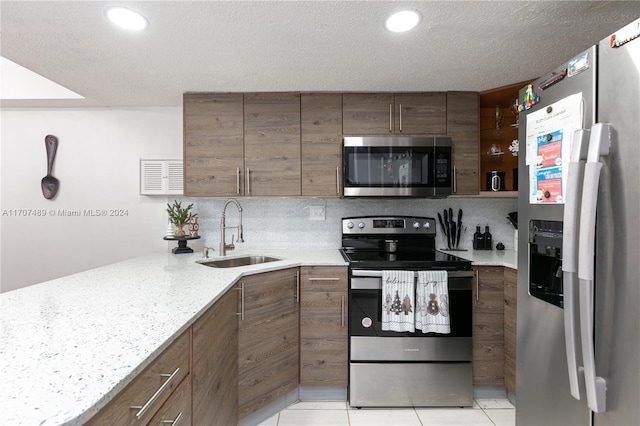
column 97, row 164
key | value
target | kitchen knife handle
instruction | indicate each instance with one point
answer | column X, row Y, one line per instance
column 599, row 144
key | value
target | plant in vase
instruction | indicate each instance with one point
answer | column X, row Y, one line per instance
column 179, row 216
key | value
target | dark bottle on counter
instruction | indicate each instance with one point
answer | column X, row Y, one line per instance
column 488, row 243
column 478, row 239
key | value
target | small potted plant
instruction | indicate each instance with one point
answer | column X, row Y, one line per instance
column 179, row 216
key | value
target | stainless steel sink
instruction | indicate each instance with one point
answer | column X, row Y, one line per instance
column 239, row 261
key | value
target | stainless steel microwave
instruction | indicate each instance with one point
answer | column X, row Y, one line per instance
column 388, row 166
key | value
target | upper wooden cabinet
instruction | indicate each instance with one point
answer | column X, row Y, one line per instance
column 272, row 144
column 462, row 127
column 321, row 143
column 213, row 144
column 400, row 113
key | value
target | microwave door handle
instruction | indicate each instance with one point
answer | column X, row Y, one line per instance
column 599, row 144
column 570, row 258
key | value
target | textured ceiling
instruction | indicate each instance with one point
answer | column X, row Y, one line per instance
column 297, row 45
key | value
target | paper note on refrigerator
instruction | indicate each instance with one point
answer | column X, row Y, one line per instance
column 549, row 137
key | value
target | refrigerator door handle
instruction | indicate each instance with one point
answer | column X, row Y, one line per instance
column 571, row 220
column 599, row 144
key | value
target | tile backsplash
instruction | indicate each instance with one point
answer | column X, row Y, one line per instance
column 284, row 223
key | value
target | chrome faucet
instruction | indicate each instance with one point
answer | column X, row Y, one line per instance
column 223, row 246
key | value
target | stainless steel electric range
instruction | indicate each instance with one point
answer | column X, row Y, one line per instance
column 402, row 369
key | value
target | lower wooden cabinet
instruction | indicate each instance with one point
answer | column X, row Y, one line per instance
column 510, row 327
column 488, row 326
column 267, row 338
column 324, row 341
column 215, row 363
column 146, row 394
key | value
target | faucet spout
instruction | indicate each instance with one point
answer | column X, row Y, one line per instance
column 223, row 246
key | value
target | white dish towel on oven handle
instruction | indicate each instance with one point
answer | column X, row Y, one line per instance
column 398, row 292
column 432, row 304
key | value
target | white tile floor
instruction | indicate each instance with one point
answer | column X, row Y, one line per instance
column 489, row 412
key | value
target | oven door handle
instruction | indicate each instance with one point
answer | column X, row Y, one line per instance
column 357, row 273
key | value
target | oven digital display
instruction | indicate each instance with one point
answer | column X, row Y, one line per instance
column 388, row 223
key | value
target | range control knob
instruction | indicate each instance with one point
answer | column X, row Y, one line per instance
column 416, row 225
column 361, row 225
column 427, row 225
column 350, row 225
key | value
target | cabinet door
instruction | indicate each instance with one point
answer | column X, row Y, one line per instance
column 213, row 144
column 324, row 356
column 421, row 113
column 510, row 302
column 488, row 327
column 462, row 125
column 367, row 114
column 215, row 363
column 268, row 339
column 321, row 143
column 272, row 144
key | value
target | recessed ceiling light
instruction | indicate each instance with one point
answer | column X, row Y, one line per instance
column 403, row 21
column 126, row 18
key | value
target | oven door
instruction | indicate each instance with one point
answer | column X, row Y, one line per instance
column 397, row 166
column 365, row 305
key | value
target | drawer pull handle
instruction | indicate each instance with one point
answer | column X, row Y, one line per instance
column 324, row 279
column 175, row 421
column 143, row 409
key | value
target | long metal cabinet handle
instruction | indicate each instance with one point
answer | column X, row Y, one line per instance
column 599, row 144
column 338, row 180
column 400, row 124
column 241, row 290
column 390, row 118
column 248, row 178
column 477, row 285
column 175, row 421
column 297, row 287
column 342, row 310
column 324, row 279
column 238, row 180
column 570, row 258
column 143, row 408
column 455, row 180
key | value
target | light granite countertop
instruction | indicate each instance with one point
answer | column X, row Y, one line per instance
column 69, row 345
column 508, row 258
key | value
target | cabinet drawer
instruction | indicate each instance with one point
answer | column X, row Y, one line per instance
column 142, row 398
column 177, row 410
column 324, row 278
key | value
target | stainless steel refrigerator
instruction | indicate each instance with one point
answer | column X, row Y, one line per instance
column 578, row 322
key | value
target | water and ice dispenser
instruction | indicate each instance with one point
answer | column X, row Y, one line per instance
column 545, row 261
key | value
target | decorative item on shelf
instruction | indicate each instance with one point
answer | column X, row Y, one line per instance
column 514, row 147
column 516, row 113
column 498, row 119
column 193, row 226
column 179, row 216
column 495, row 151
